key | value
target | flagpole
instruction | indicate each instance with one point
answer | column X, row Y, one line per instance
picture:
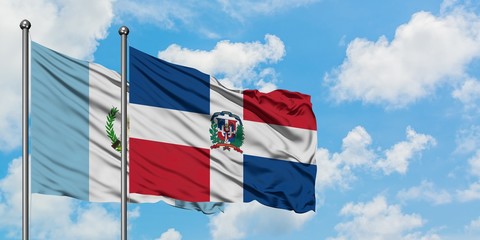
column 25, row 26
column 123, row 31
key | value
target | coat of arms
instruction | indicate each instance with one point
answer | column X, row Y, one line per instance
column 226, row 131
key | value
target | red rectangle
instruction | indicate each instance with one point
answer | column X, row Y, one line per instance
column 170, row 170
column 279, row 107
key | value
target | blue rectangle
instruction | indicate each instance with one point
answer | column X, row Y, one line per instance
column 157, row 83
column 279, row 184
column 59, row 132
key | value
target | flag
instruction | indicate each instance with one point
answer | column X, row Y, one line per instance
column 193, row 139
column 75, row 124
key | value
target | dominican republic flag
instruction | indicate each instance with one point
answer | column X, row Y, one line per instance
column 74, row 127
column 193, row 139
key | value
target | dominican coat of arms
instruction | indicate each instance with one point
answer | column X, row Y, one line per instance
column 226, row 131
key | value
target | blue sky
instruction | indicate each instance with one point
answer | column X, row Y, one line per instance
column 395, row 88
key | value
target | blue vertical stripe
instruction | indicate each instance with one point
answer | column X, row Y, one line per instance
column 280, row 184
column 157, row 83
column 59, row 124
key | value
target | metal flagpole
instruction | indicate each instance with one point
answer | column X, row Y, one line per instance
column 25, row 26
column 123, row 31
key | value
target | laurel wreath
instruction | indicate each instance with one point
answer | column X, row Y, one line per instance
column 116, row 144
column 239, row 137
column 213, row 133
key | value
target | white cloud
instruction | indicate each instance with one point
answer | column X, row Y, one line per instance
column 235, row 71
column 169, row 14
column 52, row 216
column 337, row 168
column 377, row 220
column 91, row 222
column 197, row 15
column 263, row 86
column 448, row 5
column 470, row 194
column 242, row 9
column 62, row 24
column 473, row 226
column 425, row 191
column 398, row 157
column 468, row 140
column 11, row 196
column 474, row 163
column 170, row 234
column 241, row 220
column 411, row 66
column 471, row 231
column 357, row 152
column 134, row 213
column 331, row 171
column 267, row 80
column 161, row 12
column 420, row 236
column 58, row 24
column 468, row 94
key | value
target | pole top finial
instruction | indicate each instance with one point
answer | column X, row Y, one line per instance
column 123, row 30
column 25, row 24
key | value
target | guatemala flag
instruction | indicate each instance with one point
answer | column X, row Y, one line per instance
column 193, row 139
column 74, row 127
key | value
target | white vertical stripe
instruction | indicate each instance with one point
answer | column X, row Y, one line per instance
column 104, row 160
column 226, row 167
